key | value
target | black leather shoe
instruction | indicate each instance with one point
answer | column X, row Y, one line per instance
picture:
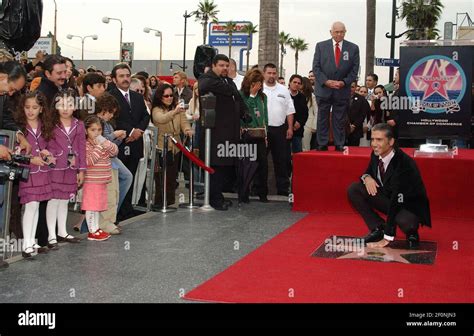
column 339, row 149
column 53, row 246
column 263, row 199
column 322, row 148
column 3, row 265
column 228, row 203
column 374, row 236
column 413, row 241
column 69, row 239
column 26, row 255
column 221, row 207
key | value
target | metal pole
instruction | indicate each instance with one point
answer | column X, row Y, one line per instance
column 161, row 52
column 120, row 49
column 184, row 52
column 191, row 204
column 165, row 208
column 207, row 181
column 392, row 38
column 151, row 182
column 83, row 38
column 55, row 27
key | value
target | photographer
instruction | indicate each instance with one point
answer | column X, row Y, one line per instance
column 230, row 107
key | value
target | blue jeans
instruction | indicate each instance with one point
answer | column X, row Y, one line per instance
column 297, row 144
column 125, row 180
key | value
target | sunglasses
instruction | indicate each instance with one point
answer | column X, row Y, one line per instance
column 168, row 96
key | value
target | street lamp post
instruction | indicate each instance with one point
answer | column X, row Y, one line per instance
column 179, row 66
column 106, row 19
column 55, row 40
column 160, row 35
column 186, row 17
column 94, row 37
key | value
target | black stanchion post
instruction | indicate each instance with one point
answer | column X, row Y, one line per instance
column 191, row 204
column 165, row 208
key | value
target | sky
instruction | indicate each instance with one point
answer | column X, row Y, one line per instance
column 307, row 19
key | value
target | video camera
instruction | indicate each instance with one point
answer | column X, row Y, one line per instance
column 12, row 170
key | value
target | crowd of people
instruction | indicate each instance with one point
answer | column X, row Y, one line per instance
column 86, row 133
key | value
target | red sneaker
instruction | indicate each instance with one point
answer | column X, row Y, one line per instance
column 99, row 235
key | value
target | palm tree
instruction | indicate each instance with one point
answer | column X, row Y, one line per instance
column 206, row 12
column 268, row 35
column 283, row 40
column 370, row 37
column 229, row 29
column 422, row 16
column 298, row 44
column 249, row 29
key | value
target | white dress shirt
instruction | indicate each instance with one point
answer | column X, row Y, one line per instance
column 279, row 103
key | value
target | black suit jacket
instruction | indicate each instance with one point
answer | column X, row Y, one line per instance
column 230, row 107
column 403, row 185
column 129, row 117
column 358, row 111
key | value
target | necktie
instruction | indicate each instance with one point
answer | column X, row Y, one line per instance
column 337, row 54
column 381, row 170
column 127, row 98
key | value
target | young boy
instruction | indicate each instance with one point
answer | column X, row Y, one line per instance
column 93, row 86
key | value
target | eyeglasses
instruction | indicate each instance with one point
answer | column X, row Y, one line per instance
column 167, row 96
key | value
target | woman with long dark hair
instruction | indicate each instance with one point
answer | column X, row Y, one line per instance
column 169, row 118
column 256, row 101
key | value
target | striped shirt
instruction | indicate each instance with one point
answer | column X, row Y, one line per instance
column 99, row 167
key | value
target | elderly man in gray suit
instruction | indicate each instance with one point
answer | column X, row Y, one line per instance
column 335, row 65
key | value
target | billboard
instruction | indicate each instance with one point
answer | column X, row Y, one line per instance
column 126, row 53
column 219, row 39
column 437, row 81
column 43, row 43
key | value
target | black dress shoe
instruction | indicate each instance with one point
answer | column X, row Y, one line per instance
column 26, row 255
column 43, row 250
column 263, row 199
column 221, row 207
column 413, row 241
column 69, row 239
column 339, row 149
column 229, row 203
column 322, row 148
column 3, row 265
column 374, row 236
column 53, row 246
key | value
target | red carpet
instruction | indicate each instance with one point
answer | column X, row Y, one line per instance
column 320, row 181
column 283, row 266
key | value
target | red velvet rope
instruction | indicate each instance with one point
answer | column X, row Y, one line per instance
column 192, row 157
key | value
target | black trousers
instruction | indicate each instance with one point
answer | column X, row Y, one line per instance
column 353, row 140
column 280, row 148
column 366, row 205
column 217, row 182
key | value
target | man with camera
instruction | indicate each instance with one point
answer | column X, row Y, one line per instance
column 230, row 108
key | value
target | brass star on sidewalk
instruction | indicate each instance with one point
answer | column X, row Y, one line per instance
column 385, row 254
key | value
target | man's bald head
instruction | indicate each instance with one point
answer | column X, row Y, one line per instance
column 338, row 31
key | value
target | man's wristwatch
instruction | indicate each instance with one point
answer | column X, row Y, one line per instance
column 363, row 177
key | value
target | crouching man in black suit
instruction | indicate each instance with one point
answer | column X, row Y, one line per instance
column 392, row 185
